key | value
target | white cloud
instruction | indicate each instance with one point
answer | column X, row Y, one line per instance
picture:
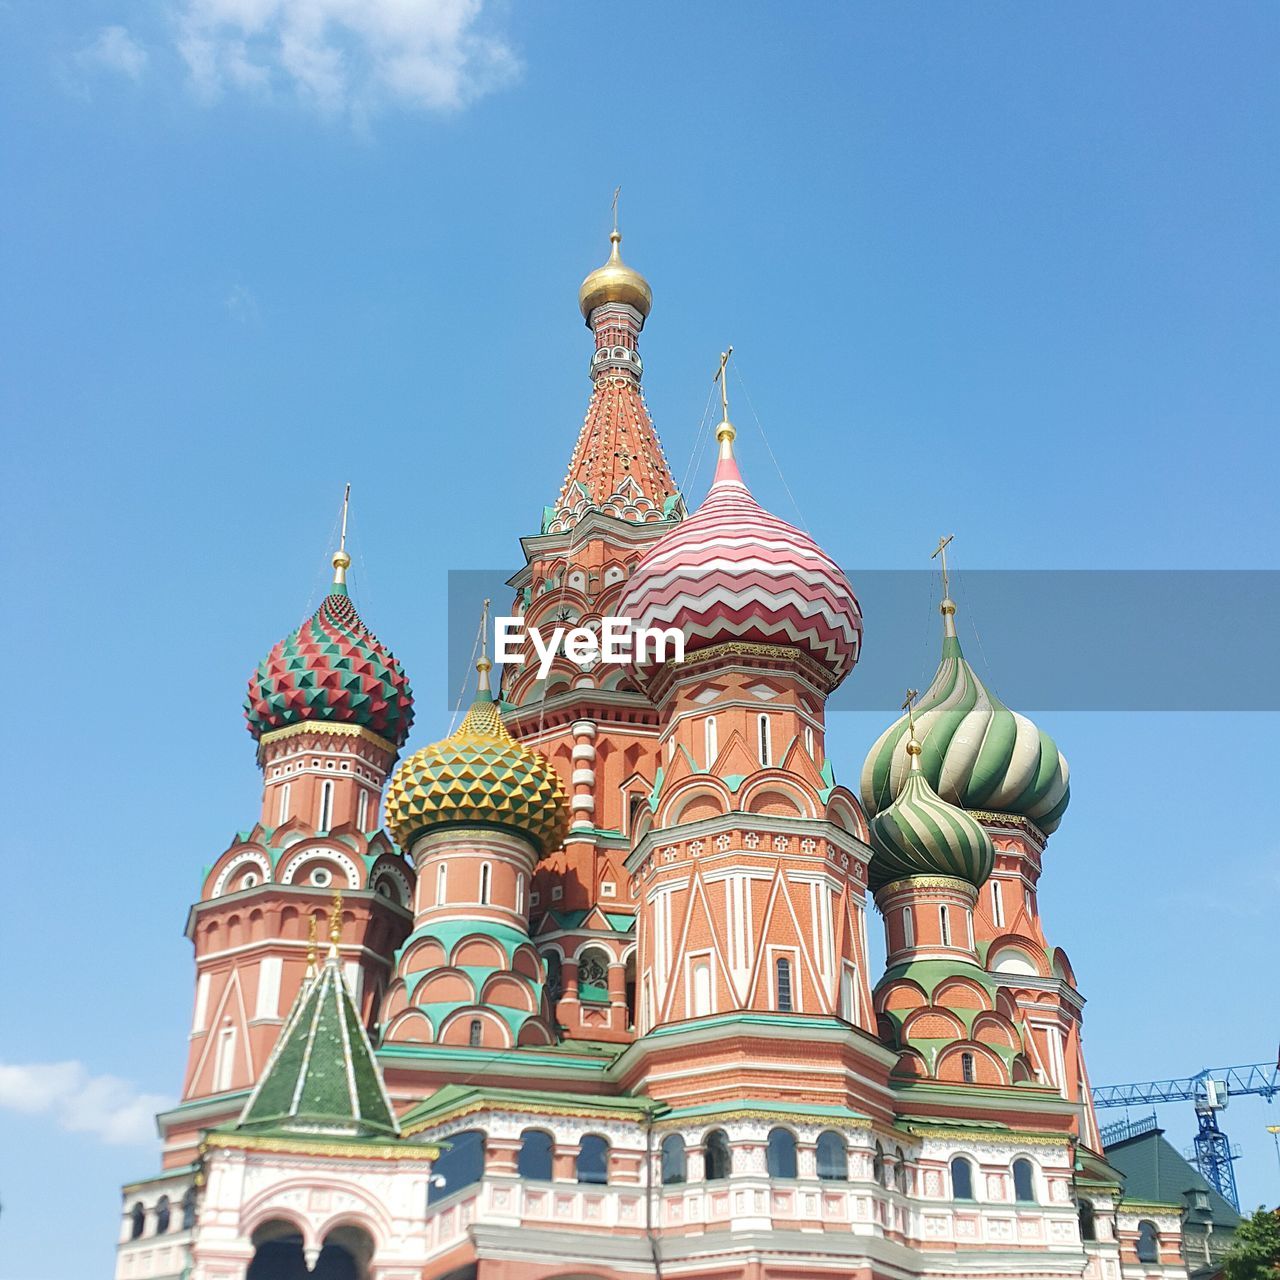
column 115, row 50
column 107, row 1107
column 242, row 305
column 345, row 57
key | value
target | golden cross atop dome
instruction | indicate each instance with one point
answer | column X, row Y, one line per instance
column 941, row 551
column 484, row 666
column 617, row 191
column 342, row 561
column 725, row 430
column 908, row 705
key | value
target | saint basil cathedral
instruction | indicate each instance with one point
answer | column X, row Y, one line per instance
column 583, row 992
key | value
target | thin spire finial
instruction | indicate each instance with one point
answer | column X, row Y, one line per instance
column 725, row 432
column 948, row 606
column 617, row 191
column 335, row 923
column 312, row 934
column 913, row 747
column 341, row 560
column 483, row 665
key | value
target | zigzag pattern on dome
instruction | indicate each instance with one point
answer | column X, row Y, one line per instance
column 733, row 571
column 479, row 775
column 331, row 669
column 977, row 753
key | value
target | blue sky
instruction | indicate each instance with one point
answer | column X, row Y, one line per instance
column 1007, row 271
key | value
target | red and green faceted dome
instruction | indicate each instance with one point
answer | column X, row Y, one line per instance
column 334, row 670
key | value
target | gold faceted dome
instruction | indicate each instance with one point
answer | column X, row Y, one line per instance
column 615, row 282
column 479, row 775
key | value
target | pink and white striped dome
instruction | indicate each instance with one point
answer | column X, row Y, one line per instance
column 732, row 571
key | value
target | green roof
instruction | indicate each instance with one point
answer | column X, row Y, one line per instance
column 322, row 1075
column 455, row 1097
column 1155, row 1172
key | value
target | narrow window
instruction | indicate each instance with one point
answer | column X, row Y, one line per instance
column 961, row 1179
column 534, row 1160
column 442, row 882
column 326, row 805
column 224, row 1059
column 833, row 1157
column 1148, row 1242
column 284, row 803
column 519, row 895
column 362, row 810
column 968, row 927
column 711, row 743
column 137, row 1222
column 162, row 1216
column 460, row 1166
column 766, row 745
column 901, row 1177
column 593, row 1159
column 701, row 975
column 555, row 979
column 486, row 876
column 593, row 975
column 673, row 1160
column 475, row 1034
column 877, row 1165
column 966, row 1067
column 189, row 1209
column 908, row 928
column 1024, row 1188
column 945, row 925
column 783, row 974
column 1088, row 1228
column 780, row 1154
column 715, row 1155
column 808, row 741
column 997, row 904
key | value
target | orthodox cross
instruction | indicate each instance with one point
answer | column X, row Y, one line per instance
column 723, row 380
column 617, row 191
column 909, row 707
column 346, row 503
column 941, row 550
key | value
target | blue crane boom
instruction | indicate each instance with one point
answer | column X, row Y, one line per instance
column 1209, row 1090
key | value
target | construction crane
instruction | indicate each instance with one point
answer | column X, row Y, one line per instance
column 1210, row 1090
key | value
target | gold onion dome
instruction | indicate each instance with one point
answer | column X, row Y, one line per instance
column 615, row 282
column 479, row 775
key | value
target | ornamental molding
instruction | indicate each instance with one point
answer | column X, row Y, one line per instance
column 984, row 1138
column 761, row 1123
column 329, row 728
column 302, row 1147
column 321, row 851
column 259, row 860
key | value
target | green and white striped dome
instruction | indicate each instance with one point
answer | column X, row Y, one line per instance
column 977, row 753
column 920, row 834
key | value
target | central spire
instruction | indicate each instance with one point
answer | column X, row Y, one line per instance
column 618, row 468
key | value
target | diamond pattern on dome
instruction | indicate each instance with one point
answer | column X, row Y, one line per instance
column 332, row 668
column 478, row 775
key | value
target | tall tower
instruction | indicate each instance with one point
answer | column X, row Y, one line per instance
column 1009, row 775
column 594, row 724
column 330, row 708
column 751, row 869
column 475, row 813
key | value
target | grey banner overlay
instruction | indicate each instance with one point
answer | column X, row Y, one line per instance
column 1042, row 640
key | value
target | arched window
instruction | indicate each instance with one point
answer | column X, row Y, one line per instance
column 673, row 1163
column 461, row 1162
column 900, row 1174
column 534, row 1159
column 520, row 895
column 326, row 806
column 766, row 742
column 877, row 1165
column 780, row 1156
column 833, row 1156
column 593, row 1159
column 1148, row 1242
column 555, row 979
column 486, row 883
column 137, row 1222
column 362, row 809
column 593, row 975
column 961, row 1179
column 475, row 1033
column 908, row 928
column 189, row 1209
column 162, row 1216
column 284, row 803
column 997, row 904
column 783, row 975
column 1024, row 1182
column 966, row 1068
column 715, row 1155
column 1088, row 1228
column 711, row 740
column 944, row 926
column 442, row 883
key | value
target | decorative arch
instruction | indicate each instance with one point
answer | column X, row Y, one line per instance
column 988, row 1068
column 412, row 1025
column 699, row 796
column 445, row 985
column 479, row 951
column 773, row 792
column 844, row 810
column 235, row 867
column 1017, row 954
column 456, row 1028
column 961, row 993
column 321, row 854
column 933, row 1024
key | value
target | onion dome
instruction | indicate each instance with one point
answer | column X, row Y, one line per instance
column 920, row 834
column 977, row 753
column 615, row 282
column 734, row 572
column 331, row 670
column 479, row 775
